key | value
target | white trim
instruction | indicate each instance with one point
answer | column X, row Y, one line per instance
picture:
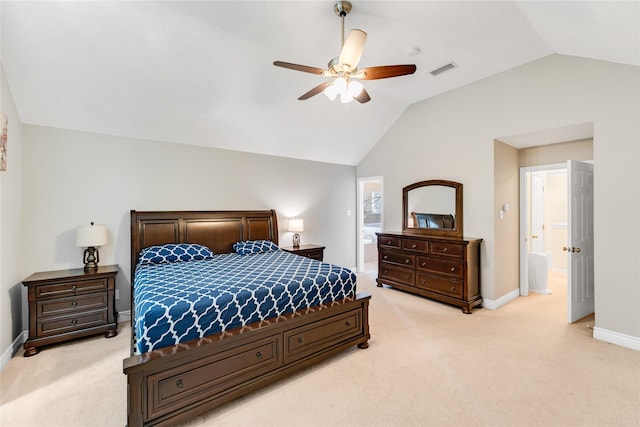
column 13, row 349
column 612, row 337
column 503, row 300
column 124, row 316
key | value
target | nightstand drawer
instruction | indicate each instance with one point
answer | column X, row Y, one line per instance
column 61, row 306
column 71, row 287
column 59, row 325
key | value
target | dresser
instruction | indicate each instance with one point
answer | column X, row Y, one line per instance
column 440, row 268
column 310, row 251
column 69, row 304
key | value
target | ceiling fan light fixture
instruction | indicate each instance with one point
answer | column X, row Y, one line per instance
column 346, row 97
column 355, row 88
column 331, row 92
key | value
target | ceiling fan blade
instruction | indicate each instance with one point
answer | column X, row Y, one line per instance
column 386, row 71
column 352, row 49
column 362, row 97
column 297, row 67
column 316, row 90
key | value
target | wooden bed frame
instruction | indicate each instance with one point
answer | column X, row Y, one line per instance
column 176, row 383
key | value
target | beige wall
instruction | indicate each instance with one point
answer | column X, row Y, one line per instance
column 451, row 136
column 71, row 178
column 556, row 153
column 11, row 244
column 506, row 191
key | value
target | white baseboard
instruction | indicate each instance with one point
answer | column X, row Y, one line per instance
column 13, row 349
column 612, row 337
column 124, row 316
column 503, row 300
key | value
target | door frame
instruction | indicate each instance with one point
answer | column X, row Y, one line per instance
column 524, row 208
column 360, row 217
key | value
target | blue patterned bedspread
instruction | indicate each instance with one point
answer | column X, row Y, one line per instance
column 180, row 301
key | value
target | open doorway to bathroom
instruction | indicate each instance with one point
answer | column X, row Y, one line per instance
column 544, row 226
column 369, row 222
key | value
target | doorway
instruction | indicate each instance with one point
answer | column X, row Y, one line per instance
column 556, row 234
column 370, row 219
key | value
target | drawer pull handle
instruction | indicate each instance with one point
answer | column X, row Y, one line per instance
column 407, row 261
column 424, row 263
column 179, row 384
column 453, row 288
column 74, row 303
column 408, row 277
column 453, row 269
column 74, row 321
column 384, row 257
column 347, row 324
column 300, row 340
column 424, row 281
column 258, row 355
column 445, row 249
column 74, row 287
column 413, row 246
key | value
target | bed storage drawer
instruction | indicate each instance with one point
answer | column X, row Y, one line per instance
column 204, row 378
column 305, row 340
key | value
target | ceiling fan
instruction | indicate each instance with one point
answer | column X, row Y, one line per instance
column 344, row 69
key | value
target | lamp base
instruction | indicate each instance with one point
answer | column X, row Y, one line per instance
column 296, row 240
column 91, row 259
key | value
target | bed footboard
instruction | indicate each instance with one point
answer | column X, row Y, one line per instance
column 175, row 384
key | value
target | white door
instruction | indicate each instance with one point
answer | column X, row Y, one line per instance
column 580, row 240
column 537, row 212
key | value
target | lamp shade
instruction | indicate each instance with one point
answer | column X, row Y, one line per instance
column 91, row 235
column 296, row 224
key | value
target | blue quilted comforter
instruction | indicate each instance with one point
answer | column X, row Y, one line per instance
column 180, row 301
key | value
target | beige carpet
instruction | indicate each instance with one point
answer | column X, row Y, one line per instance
column 427, row 365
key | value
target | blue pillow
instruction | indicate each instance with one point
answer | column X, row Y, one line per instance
column 174, row 253
column 254, row 247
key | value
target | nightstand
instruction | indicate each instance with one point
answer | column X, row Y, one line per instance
column 310, row 251
column 68, row 304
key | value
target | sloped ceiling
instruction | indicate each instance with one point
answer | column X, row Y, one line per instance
column 200, row 72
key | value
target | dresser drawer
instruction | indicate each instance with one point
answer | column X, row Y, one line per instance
column 58, row 325
column 195, row 381
column 445, row 249
column 71, row 287
column 389, row 242
column 305, row 340
column 60, row 306
column 391, row 272
column 452, row 287
column 398, row 258
column 414, row 245
column 444, row 266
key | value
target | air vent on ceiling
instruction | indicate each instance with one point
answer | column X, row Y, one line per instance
column 444, row 68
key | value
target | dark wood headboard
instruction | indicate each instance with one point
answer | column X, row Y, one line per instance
column 218, row 230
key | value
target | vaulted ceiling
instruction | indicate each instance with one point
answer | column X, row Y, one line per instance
column 201, row 72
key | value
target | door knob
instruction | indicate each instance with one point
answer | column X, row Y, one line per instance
column 575, row 249
column 564, row 249
column 534, row 236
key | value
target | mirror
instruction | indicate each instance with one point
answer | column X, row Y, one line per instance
column 432, row 208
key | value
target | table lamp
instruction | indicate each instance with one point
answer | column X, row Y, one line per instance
column 90, row 237
column 296, row 225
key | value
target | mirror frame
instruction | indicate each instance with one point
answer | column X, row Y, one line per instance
column 436, row 232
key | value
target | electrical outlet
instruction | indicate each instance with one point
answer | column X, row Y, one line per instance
column 117, row 293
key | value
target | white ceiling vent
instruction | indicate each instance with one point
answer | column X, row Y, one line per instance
column 447, row 67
